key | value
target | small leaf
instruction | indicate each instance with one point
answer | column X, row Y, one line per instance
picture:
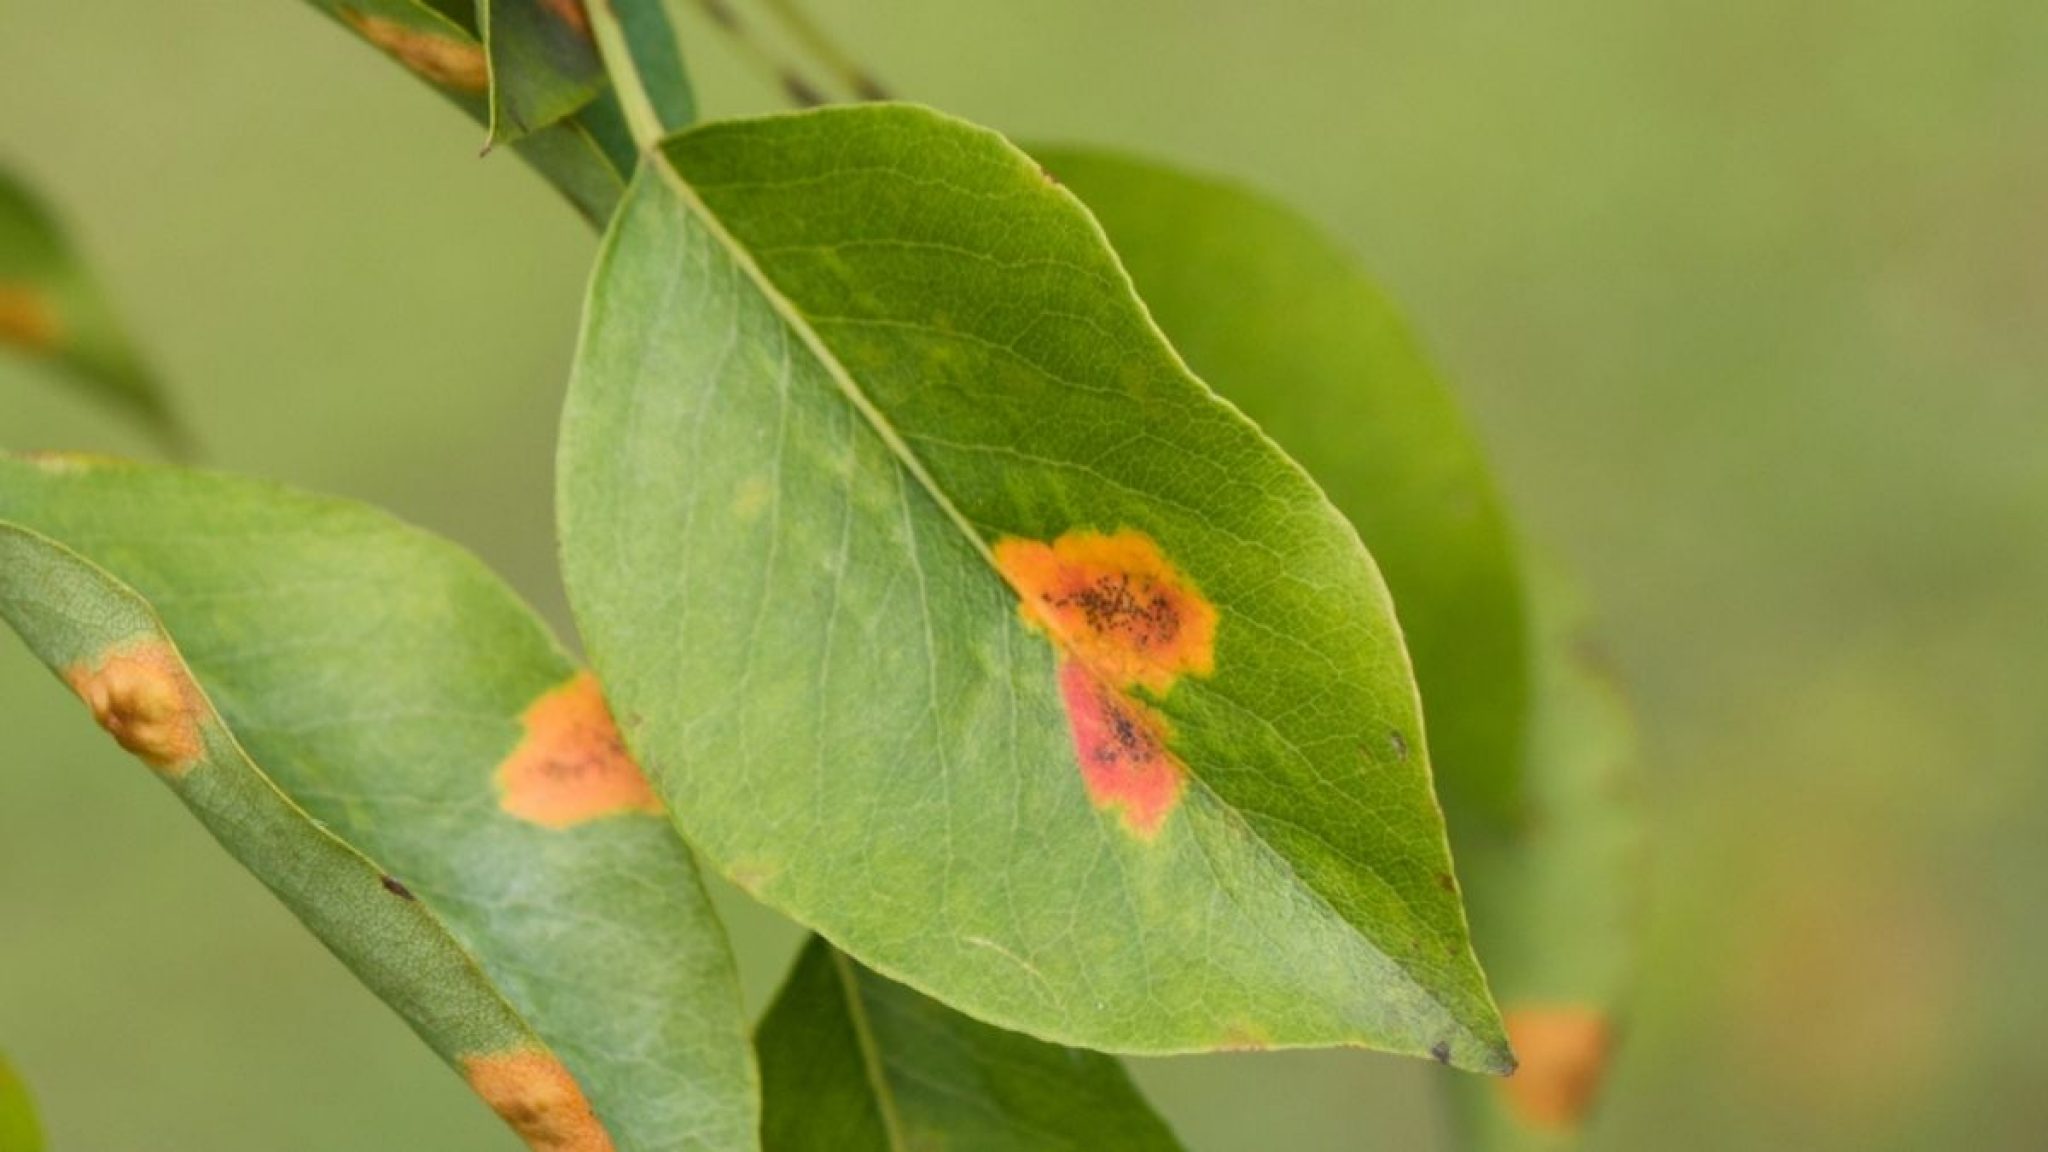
column 51, row 309
column 851, row 1062
column 1280, row 321
column 19, row 1131
column 375, row 727
column 1558, row 904
column 543, row 64
column 957, row 619
column 574, row 154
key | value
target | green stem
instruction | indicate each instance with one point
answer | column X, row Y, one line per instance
column 617, row 52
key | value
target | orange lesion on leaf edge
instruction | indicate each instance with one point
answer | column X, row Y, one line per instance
column 1123, row 617
column 1563, row 1050
column 534, row 1093
column 457, row 65
column 142, row 694
column 572, row 765
column 28, row 318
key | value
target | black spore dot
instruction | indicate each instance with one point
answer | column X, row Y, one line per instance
column 1442, row 1051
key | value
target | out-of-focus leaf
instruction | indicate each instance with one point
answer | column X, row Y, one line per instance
column 851, row 1062
column 1556, row 905
column 51, row 309
column 954, row 617
column 374, row 726
column 1280, row 321
column 19, row 1131
column 543, row 64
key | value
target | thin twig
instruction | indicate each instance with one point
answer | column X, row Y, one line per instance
column 819, row 43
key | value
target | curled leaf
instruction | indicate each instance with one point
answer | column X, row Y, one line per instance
column 387, row 738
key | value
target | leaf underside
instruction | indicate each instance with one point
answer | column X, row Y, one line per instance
column 1279, row 320
column 851, row 1062
column 388, row 739
column 51, row 309
column 954, row 617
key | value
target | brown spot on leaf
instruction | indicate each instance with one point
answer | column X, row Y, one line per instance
column 142, row 695
column 1115, row 603
column 398, row 889
column 1563, row 1052
column 28, row 319
column 572, row 766
column 1440, row 1051
column 457, row 65
column 535, row 1094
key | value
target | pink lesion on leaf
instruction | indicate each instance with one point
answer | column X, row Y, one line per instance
column 1123, row 618
column 1121, row 745
column 572, row 766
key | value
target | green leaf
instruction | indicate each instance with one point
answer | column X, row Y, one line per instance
column 19, row 1131
column 543, row 64
column 873, row 471
column 51, row 309
column 657, row 59
column 851, row 1062
column 585, row 156
column 374, row 726
column 1280, row 321
column 1558, row 904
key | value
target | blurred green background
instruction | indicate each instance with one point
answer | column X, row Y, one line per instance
column 1749, row 300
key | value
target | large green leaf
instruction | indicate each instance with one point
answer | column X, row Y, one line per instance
column 386, row 737
column 851, row 1062
column 19, row 1131
column 543, row 63
column 51, row 309
column 1558, row 904
column 953, row 616
column 1277, row 318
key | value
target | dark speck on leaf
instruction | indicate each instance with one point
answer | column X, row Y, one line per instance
column 1441, row 1050
column 397, row 889
column 1445, row 881
column 1399, row 744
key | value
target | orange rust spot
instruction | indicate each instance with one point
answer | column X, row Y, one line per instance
column 570, row 12
column 535, row 1094
column 28, row 319
column 1115, row 603
column 454, row 64
column 1563, row 1051
column 572, row 765
column 142, row 695
column 1121, row 745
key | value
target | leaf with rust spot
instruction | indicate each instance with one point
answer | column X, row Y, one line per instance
column 344, row 702
column 52, row 310
column 19, row 1131
column 1278, row 318
column 851, row 1062
column 980, row 461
